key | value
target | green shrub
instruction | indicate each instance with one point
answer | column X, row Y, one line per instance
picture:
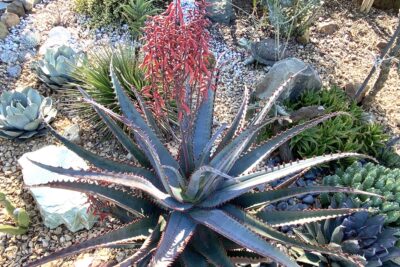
column 101, row 12
column 109, row 12
column 371, row 178
column 344, row 133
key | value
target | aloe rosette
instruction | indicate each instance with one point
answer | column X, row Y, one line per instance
column 23, row 114
column 201, row 208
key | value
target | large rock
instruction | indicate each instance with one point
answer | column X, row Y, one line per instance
column 3, row 31
column 220, row 11
column 57, row 36
column 16, row 7
column 280, row 72
column 10, row 19
column 57, row 206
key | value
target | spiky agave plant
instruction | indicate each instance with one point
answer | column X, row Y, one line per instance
column 200, row 208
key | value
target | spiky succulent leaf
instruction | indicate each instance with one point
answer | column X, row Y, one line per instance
column 129, row 202
column 208, row 244
column 177, row 234
column 137, row 230
column 203, row 126
column 230, row 228
column 256, row 199
column 249, row 160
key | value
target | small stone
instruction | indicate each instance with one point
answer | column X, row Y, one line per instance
column 308, row 199
column 14, row 71
column 381, row 45
column 8, row 56
column 72, row 133
column 328, row 28
column 45, row 243
column 3, row 30
column 10, row 19
column 16, row 7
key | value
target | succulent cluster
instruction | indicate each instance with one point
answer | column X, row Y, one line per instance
column 345, row 133
column 200, row 208
column 359, row 234
column 20, row 217
column 57, row 66
column 22, row 114
column 371, row 178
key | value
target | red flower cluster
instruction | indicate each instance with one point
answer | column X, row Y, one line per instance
column 176, row 55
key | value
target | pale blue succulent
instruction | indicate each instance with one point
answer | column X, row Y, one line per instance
column 57, row 66
column 22, row 113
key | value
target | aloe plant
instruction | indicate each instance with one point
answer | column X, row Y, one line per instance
column 202, row 207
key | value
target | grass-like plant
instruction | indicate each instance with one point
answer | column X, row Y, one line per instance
column 94, row 77
column 345, row 133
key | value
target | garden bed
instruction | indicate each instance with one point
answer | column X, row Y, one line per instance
column 341, row 58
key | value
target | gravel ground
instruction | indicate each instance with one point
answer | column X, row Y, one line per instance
column 343, row 57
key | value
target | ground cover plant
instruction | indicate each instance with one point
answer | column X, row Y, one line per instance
column 200, row 207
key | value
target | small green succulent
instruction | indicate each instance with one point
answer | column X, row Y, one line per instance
column 22, row 114
column 20, row 217
column 345, row 133
column 371, row 178
column 57, row 66
column 200, row 208
column 361, row 234
column 136, row 13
